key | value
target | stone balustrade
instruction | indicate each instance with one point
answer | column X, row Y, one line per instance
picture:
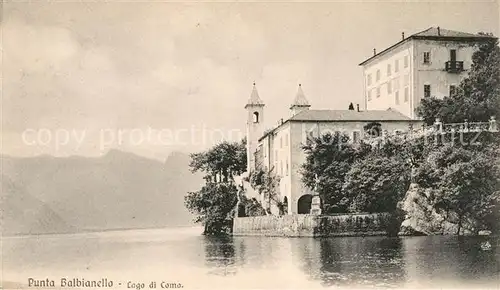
column 439, row 128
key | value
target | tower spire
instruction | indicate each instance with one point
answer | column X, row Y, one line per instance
column 300, row 103
column 300, row 98
column 254, row 99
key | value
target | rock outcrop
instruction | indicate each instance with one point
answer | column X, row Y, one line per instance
column 423, row 219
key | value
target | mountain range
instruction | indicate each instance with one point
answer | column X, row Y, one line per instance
column 120, row 190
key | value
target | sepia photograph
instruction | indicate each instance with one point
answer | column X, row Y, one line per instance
column 342, row 144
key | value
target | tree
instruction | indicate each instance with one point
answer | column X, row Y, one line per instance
column 214, row 203
column 329, row 158
column 429, row 109
column 478, row 95
column 464, row 184
column 222, row 162
column 376, row 183
column 351, row 106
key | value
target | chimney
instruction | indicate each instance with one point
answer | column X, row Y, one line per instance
column 357, row 107
column 374, row 51
column 403, row 35
column 439, row 31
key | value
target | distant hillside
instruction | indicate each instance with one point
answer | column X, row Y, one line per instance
column 118, row 190
column 23, row 213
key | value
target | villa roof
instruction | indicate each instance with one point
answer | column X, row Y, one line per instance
column 436, row 33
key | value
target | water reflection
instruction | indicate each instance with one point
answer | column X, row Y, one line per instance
column 352, row 261
column 220, row 255
column 257, row 262
column 450, row 260
column 362, row 262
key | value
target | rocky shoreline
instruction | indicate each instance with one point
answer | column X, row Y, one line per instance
column 422, row 219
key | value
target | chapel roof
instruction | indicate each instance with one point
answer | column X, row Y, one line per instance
column 389, row 115
column 350, row 115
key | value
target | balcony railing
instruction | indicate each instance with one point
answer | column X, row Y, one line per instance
column 454, row 66
column 438, row 128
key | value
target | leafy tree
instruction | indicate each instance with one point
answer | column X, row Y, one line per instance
column 328, row 159
column 351, row 106
column 376, row 183
column 411, row 150
column 222, row 162
column 464, row 184
column 213, row 204
column 478, row 95
column 430, row 109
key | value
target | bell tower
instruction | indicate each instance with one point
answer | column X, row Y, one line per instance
column 255, row 118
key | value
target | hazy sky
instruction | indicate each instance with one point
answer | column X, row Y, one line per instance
column 80, row 77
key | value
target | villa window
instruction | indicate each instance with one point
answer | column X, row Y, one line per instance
column 389, row 69
column 378, row 92
column 407, row 94
column 372, row 129
column 396, row 65
column 453, row 55
column 369, row 95
column 427, row 91
column 369, row 79
column 389, row 87
column 427, row 57
column 406, row 61
column 396, row 97
column 378, row 75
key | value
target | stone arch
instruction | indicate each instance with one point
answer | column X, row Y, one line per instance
column 304, row 204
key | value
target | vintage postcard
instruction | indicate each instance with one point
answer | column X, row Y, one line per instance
column 250, row 144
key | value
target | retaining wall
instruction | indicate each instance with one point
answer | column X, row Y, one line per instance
column 305, row 225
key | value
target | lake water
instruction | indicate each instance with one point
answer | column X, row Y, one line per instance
column 184, row 257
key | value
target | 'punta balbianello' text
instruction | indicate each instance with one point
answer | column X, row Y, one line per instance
column 71, row 283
